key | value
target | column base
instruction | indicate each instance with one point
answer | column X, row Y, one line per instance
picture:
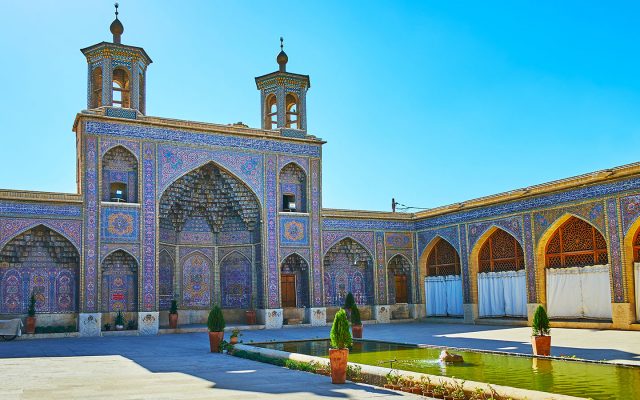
column 417, row 311
column 470, row 313
column 317, row 316
column 90, row 324
column 382, row 313
column 271, row 318
column 623, row 315
column 148, row 323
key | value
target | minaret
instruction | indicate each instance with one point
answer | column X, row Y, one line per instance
column 116, row 72
column 283, row 98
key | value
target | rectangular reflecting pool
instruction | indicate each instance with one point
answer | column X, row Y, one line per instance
column 575, row 378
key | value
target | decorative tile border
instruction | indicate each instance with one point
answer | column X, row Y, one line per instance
column 272, row 234
column 630, row 209
column 149, row 227
column 615, row 251
column 316, row 246
column 512, row 225
column 450, row 234
column 91, row 226
column 530, row 259
column 590, row 212
column 15, row 208
column 381, row 266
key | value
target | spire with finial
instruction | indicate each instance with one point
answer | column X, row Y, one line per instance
column 282, row 58
column 116, row 27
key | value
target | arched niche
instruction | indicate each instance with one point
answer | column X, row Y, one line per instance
column 348, row 267
column 399, row 280
column 42, row 262
column 293, row 188
column 441, row 281
column 166, row 272
column 119, row 176
column 196, row 281
column 236, row 281
column 119, row 282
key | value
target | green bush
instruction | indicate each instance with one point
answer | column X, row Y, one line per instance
column 215, row 322
column 540, row 325
column 32, row 305
column 349, row 301
column 355, row 315
column 340, row 334
column 119, row 319
column 174, row 307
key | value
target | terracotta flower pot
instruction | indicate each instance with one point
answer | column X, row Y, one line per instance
column 173, row 321
column 338, row 358
column 356, row 331
column 250, row 315
column 541, row 345
column 233, row 340
column 31, row 325
column 214, row 341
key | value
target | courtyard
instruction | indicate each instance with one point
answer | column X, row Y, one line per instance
column 180, row 366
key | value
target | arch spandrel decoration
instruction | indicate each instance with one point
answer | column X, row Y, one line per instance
column 348, row 267
column 512, row 225
column 365, row 239
column 450, row 234
column 42, row 262
column 69, row 229
column 174, row 162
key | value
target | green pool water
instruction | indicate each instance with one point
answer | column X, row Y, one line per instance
column 575, row 378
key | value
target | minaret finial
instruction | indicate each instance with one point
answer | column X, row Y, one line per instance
column 116, row 27
column 282, row 58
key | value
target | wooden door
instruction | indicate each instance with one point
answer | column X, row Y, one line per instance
column 401, row 289
column 288, row 290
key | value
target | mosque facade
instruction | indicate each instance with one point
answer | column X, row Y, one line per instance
column 230, row 215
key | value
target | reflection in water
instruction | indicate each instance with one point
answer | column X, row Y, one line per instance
column 598, row 381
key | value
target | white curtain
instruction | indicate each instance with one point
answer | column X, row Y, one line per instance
column 443, row 295
column 579, row 292
column 502, row 294
column 636, row 275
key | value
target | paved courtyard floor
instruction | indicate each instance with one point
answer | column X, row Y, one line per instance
column 180, row 366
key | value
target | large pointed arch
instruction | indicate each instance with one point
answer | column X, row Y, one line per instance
column 631, row 249
column 425, row 256
column 541, row 250
column 348, row 267
column 43, row 262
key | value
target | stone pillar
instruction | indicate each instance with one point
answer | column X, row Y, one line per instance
column 470, row 313
column 148, row 323
column 317, row 316
column 89, row 324
column 271, row 318
column 623, row 315
column 417, row 311
column 382, row 313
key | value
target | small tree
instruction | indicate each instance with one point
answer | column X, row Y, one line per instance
column 32, row 306
column 174, row 307
column 540, row 325
column 355, row 315
column 349, row 301
column 340, row 334
column 119, row 318
column 215, row 322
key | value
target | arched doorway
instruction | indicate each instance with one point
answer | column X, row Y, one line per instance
column 443, row 281
column 399, row 280
column 577, row 272
column 294, row 282
column 348, row 267
column 502, row 285
column 119, row 284
column 42, row 262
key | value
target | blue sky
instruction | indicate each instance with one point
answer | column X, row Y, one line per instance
column 430, row 102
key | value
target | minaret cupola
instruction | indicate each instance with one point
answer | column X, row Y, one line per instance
column 283, row 98
column 116, row 72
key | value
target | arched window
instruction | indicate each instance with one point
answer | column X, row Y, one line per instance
column 576, row 243
column 271, row 112
column 96, row 87
column 501, row 252
column 399, row 279
column 294, row 282
column 292, row 116
column 119, row 176
column 121, row 88
column 443, row 260
column 293, row 188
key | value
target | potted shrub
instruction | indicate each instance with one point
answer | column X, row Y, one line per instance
column 173, row 315
column 235, row 335
column 216, row 325
column 427, row 390
column 250, row 314
column 541, row 341
column 119, row 322
column 393, row 380
column 356, row 322
column 349, row 302
column 340, row 343
column 31, row 315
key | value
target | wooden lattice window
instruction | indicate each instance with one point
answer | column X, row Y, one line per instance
column 576, row 243
column 443, row 260
column 501, row 252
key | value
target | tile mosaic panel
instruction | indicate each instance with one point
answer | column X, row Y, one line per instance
column 329, row 238
column 630, row 209
column 119, row 224
column 398, row 240
column 294, row 231
column 615, row 251
column 317, row 275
